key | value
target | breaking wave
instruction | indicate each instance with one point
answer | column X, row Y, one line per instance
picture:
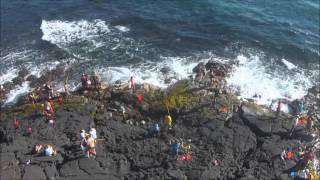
column 271, row 81
column 115, row 55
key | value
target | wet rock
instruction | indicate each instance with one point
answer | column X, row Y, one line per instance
column 199, row 68
column 165, row 70
column 258, row 119
column 23, row 72
column 17, row 80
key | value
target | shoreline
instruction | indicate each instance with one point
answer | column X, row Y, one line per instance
column 242, row 136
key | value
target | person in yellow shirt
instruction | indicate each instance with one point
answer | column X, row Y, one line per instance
column 168, row 121
column 91, row 147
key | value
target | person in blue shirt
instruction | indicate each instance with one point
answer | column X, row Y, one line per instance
column 301, row 107
column 153, row 131
column 174, row 149
column 156, row 129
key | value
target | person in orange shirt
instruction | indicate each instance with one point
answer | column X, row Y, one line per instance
column 289, row 154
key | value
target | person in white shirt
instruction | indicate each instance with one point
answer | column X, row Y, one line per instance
column 93, row 133
column 48, row 151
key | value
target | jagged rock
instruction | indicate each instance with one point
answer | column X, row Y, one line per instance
column 33, row 173
column 71, row 168
column 247, row 145
column 17, row 80
column 210, row 174
column 258, row 119
column 176, row 174
column 90, row 166
column 23, row 72
column 123, row 166
column 9, row 166
column 165, row 70
column 199, row 68
column 51, row 172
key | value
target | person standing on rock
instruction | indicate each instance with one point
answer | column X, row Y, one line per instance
column 168, row 122
column 83, row 80
column 132, row 84
column 301, row 107
column 66, row 89
column 83, row 140
column 93, row 133
column 156, row 129
column 16, row 123
column 2, row 94
column 123, row 111
column 186, row 147
column 283, row 154
column 174, row 148
column 279, row 107
column 48, row 109
column 91, row 147
column 153, row 131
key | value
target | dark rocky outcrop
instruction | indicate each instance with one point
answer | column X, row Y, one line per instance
column 247, row 143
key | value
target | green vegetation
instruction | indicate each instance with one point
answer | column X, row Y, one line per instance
column 179, row 97
column 76, row 102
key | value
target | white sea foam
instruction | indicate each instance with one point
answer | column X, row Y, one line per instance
column 288, row 64
column 37, row 70
column 15, row 56
column 150, row 72
column 254, row 78
column 69, row 35
column 8, row 75
column 122, row 28
column 15, row 93
column 252, row 75
column 62, row 33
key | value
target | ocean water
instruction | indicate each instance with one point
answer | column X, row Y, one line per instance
column 274, row 43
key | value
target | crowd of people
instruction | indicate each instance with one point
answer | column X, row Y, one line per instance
column 307, row 165
column 305, row 157
column 88, row 142
column 90, row 82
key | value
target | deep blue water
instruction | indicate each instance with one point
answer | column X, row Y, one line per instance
column 282, row 29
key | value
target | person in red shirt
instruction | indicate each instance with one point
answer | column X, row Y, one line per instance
column 60, row 100
column 139, row 99
column 16, row 123
column 289, row 154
